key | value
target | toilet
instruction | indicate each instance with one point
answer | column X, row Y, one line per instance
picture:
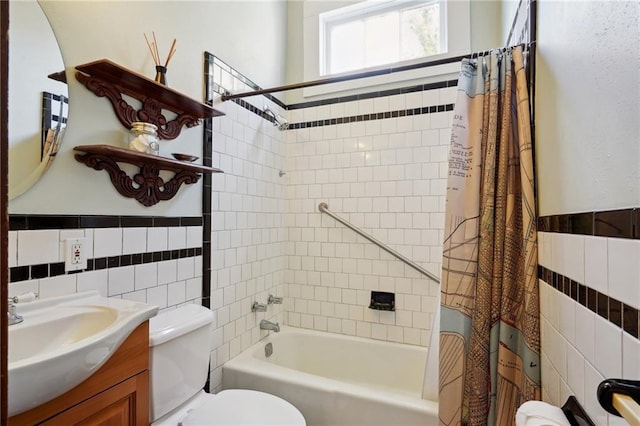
column 179, row 361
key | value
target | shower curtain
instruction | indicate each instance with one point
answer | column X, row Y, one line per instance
column 489, row 320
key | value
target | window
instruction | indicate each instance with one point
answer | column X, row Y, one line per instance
column 374, row 33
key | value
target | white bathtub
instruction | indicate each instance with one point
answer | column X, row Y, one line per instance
column 337, row 380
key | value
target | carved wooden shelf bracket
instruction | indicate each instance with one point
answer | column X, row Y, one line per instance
column 110, row 80
column 146, row 186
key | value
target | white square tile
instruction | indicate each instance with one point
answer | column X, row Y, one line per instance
column 558, row 263
column 186, row 268
column 94, row 280
column 194, row 288
column 134, row 240
column 107, row 242
column 22, row 287
column 158, row 239
column 36, row 247
column 146, row 275
column 320, row 323
column 567, row 318
column 574, row 257
column 176, row 293
column 630, row 357
column 585, row 332
column 608, row 351
column 624, row 270
column 544, row 249
column 550, row 380
column 57, row 286
column 592, row 378
column 379, row 331
column 431, row 97
column 595, row 263
column 553, row 307
column 557, row 352
column 136, row 296
column 363, row 329
column 177, row 238
column 157, row 296
column 575, row 371
column 13, row 249
column 167, row 271
column 121, row 280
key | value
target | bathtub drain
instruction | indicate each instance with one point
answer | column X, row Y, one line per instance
column 268, row 350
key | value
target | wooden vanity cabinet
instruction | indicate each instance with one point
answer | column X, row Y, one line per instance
column 117, row 394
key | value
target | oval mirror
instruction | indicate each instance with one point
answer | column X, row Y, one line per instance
column 38, row 95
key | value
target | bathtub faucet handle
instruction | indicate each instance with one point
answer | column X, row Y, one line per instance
column 274, row 300
column 258, row 307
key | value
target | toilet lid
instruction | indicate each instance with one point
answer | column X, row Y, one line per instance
column 244, row 407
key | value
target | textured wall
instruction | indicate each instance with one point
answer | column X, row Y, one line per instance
column 587, row 106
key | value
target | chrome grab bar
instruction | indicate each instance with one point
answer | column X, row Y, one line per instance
column 324, row 208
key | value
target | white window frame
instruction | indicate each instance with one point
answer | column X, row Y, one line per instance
column 366, row 9
column 458, row 40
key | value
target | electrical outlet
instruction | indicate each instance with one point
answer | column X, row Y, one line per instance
column 75, row 254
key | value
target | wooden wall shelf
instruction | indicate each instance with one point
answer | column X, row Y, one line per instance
column 108, row 79
column 146, row 186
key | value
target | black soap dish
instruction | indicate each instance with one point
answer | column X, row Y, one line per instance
column 383, row 301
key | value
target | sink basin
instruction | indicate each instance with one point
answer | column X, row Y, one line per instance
column 64, row 340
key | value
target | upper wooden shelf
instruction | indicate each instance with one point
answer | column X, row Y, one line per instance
column 106, row 78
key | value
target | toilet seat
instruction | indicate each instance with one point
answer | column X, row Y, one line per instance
column 243, row 407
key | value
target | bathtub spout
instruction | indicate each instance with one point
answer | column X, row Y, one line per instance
column 268, row 325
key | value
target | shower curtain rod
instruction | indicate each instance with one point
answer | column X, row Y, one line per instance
column 338, row 79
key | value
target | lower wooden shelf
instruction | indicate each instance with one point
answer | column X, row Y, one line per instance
column 146, row 186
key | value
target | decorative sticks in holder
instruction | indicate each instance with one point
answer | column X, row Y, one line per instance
column 161, row 70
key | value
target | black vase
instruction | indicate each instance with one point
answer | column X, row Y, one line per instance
column 161, row 74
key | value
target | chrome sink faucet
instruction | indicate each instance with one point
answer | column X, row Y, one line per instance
column 268, row 325
column 14, row 318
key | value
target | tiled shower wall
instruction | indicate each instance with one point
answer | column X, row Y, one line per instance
column 589, row 300
column 248, row 234
column 378, row 159
column 380, row 162
column 147, row 259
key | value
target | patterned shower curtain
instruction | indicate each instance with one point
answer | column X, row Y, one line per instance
column 489, row 323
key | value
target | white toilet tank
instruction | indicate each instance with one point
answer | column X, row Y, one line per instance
column 179, row 344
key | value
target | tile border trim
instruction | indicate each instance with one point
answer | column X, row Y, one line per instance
column 612, row 310
column 374, row 116
column 22, row 222
column 48, row 270
column 623, row 223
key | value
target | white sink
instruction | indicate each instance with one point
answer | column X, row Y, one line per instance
column 64, row 340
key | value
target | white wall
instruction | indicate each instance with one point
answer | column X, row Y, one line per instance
column 587, row 160
column 90, row 30
column 587, row 106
